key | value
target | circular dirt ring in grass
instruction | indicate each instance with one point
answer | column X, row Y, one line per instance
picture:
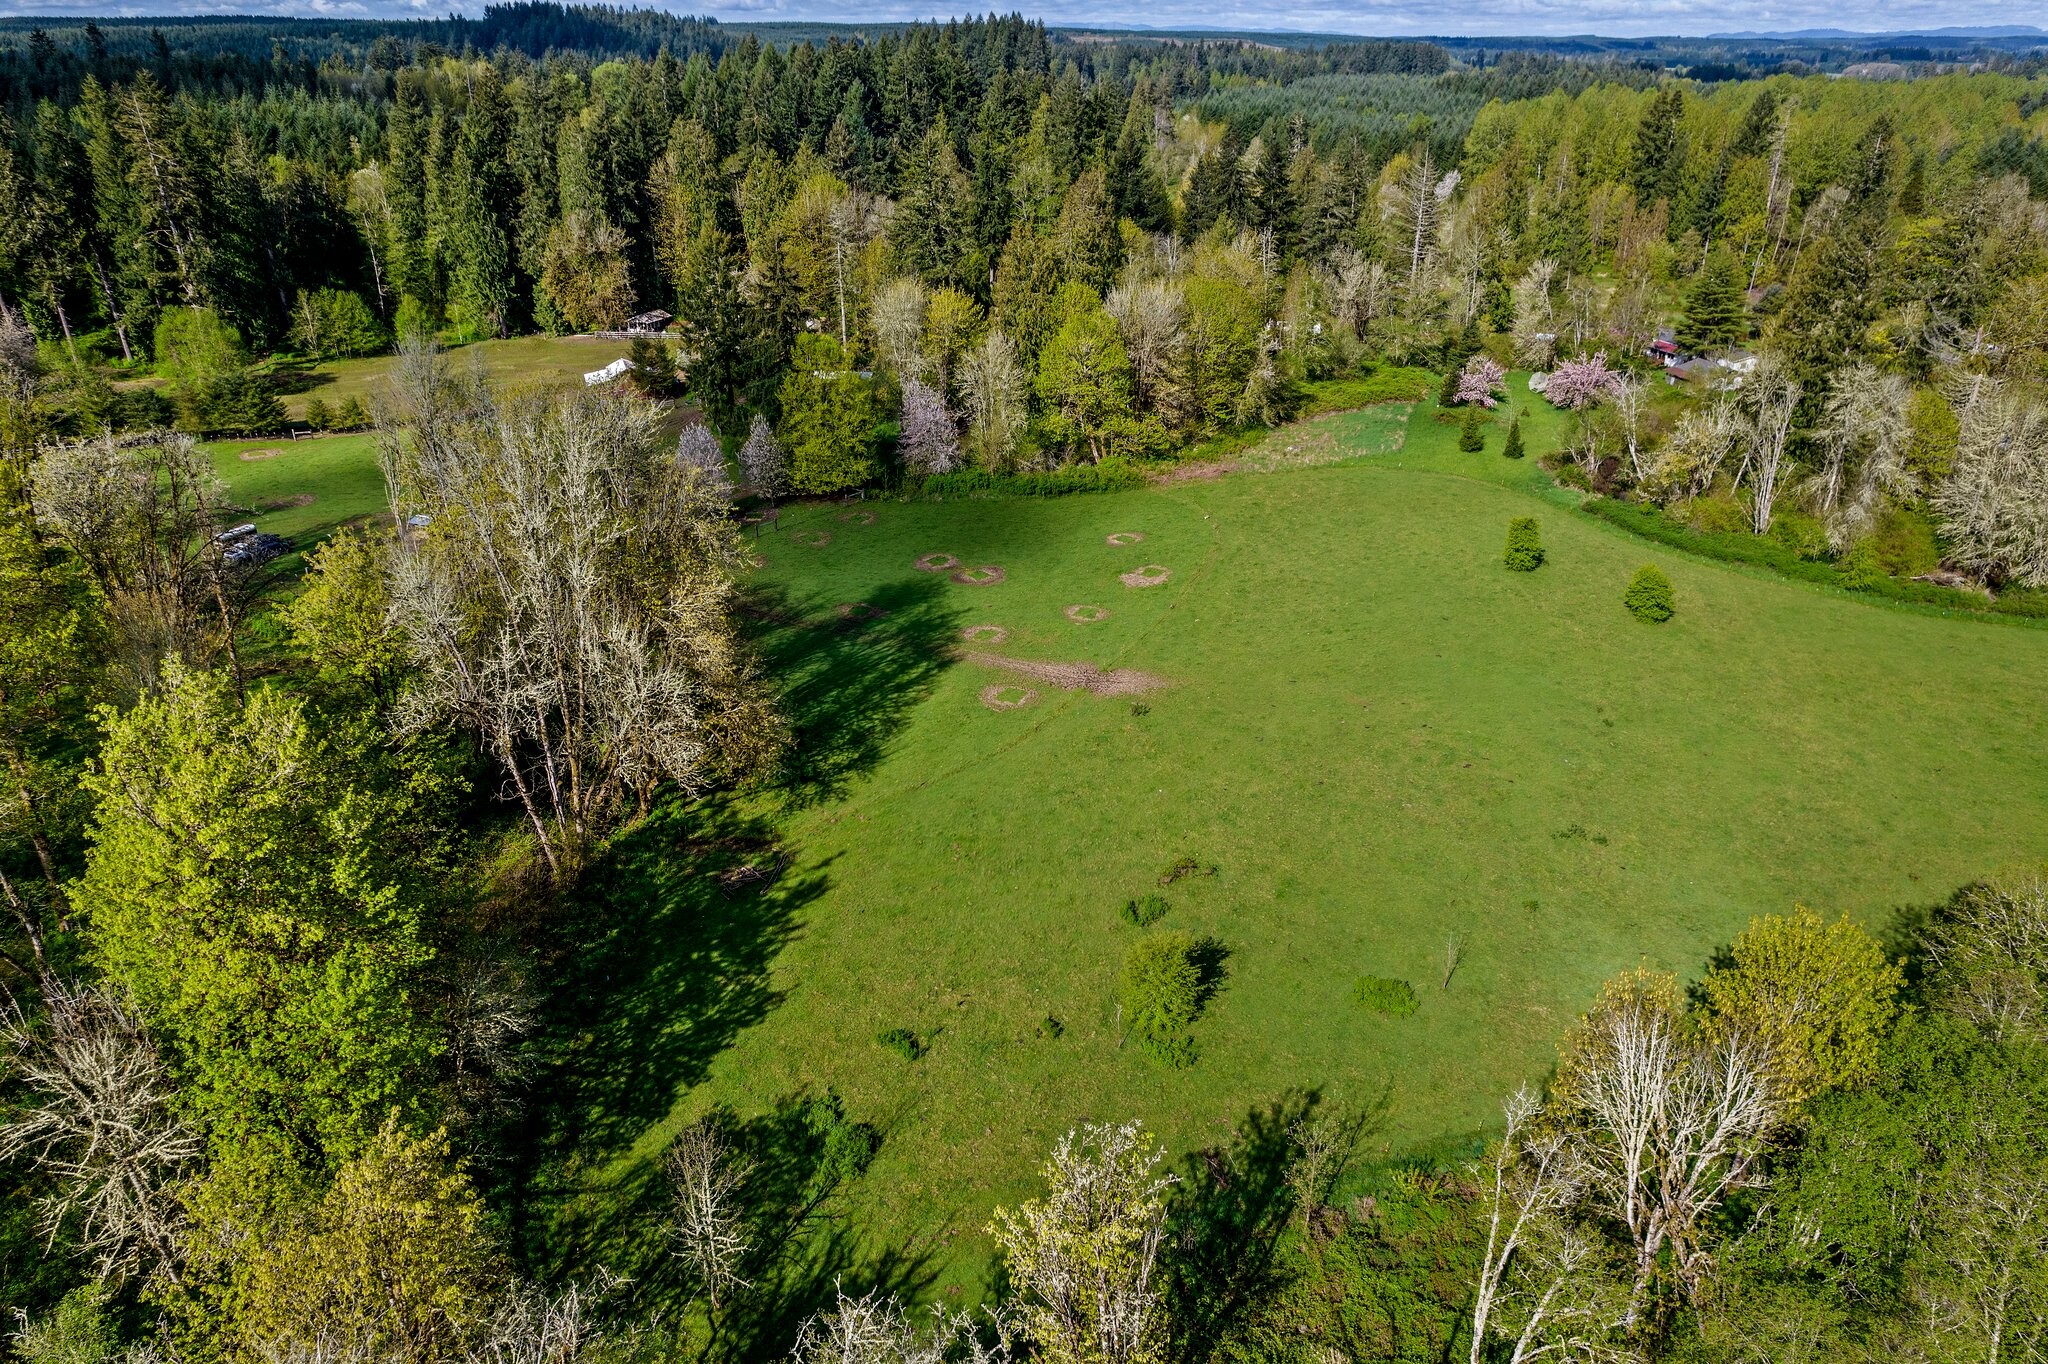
column 986, row 575
column 858, row 517
column 1007, row 696
column 251, row 456
column 1086, row 615
column 859, row 610
column 1145, row 575
column 816, row 539
column 985, row 634
column 936, row 563
column 1125, row 537
column 290, row 500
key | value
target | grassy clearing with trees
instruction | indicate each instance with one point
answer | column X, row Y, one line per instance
column 1377, row 735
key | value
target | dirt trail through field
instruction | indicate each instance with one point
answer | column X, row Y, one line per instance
column 1073, row 676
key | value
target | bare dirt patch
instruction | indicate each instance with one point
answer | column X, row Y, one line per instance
column 859, row 610
column 858, row 517
column 985, row 575
column 1000, row 697
column 984, row 634
column 1200, row 471
column 815, row 539
column 1086, row 615
column 251, row 456
column 936, row 563
column 281, row 503
column 1145, row 575
column 1125, row 537
column 1074, row 676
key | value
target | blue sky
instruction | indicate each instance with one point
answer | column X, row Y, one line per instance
column 1369, row 17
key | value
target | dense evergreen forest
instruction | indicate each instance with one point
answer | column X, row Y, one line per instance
column 282, row 860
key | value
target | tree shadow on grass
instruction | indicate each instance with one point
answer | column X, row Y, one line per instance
column 662, row 955
column 1226, row 1216
column 849, row 685
column 656, row 961
column 800, row 1156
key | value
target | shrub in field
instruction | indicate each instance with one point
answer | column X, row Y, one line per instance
column 1146, row 910
column 1161, row 992
column 1649, row 596
column 1470, row 438
column 902, row 1041
column 1395, row 998
column 1524, row 550
column 1513, row 449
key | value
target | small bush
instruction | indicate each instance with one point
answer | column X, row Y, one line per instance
column 1513, row 449
column 1524, row 550
column 1050, row 1028
column 1905, row 543
column 350, row 416
column 1394, row 998
column 1470, row 438
column 1649, row 596
column 1862, row 570
column 1161, row 992
column 902, row 1041
column 1801, row 533
column 318, row 415
column 1146, row 910
column 1719, row 516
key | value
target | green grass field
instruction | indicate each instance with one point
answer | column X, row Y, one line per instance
column 1379, row 738
column 543, row 361
column 304, row 490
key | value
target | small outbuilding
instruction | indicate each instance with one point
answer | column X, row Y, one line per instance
column 650, row 323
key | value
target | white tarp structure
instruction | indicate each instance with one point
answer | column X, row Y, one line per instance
column 608, row 373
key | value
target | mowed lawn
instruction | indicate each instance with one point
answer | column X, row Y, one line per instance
column 1379, row 738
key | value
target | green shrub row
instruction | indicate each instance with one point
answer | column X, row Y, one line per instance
column 1762, row 552
column 1113, row 475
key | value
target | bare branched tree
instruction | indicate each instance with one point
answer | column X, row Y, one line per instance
column 705, row 1176
column 1530, row 1178
column 1322, row 1149
column 1767, row 401
column 1665, row 1123
column 1535, row 330
column 1994, row 506
column 101, row 1124
column 874, row 1329
column 1992, row 954
column 533, row 1326
column 1150, row 316
column 993, row 385
column 1863, row 437
column 898, row 319
column 144, row 520
column 567, row 599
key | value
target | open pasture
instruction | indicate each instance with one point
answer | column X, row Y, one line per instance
column 1015, row 716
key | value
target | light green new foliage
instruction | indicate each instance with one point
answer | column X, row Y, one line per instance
column 260, row 890
column 1081, row 1259
column 1820, row 996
